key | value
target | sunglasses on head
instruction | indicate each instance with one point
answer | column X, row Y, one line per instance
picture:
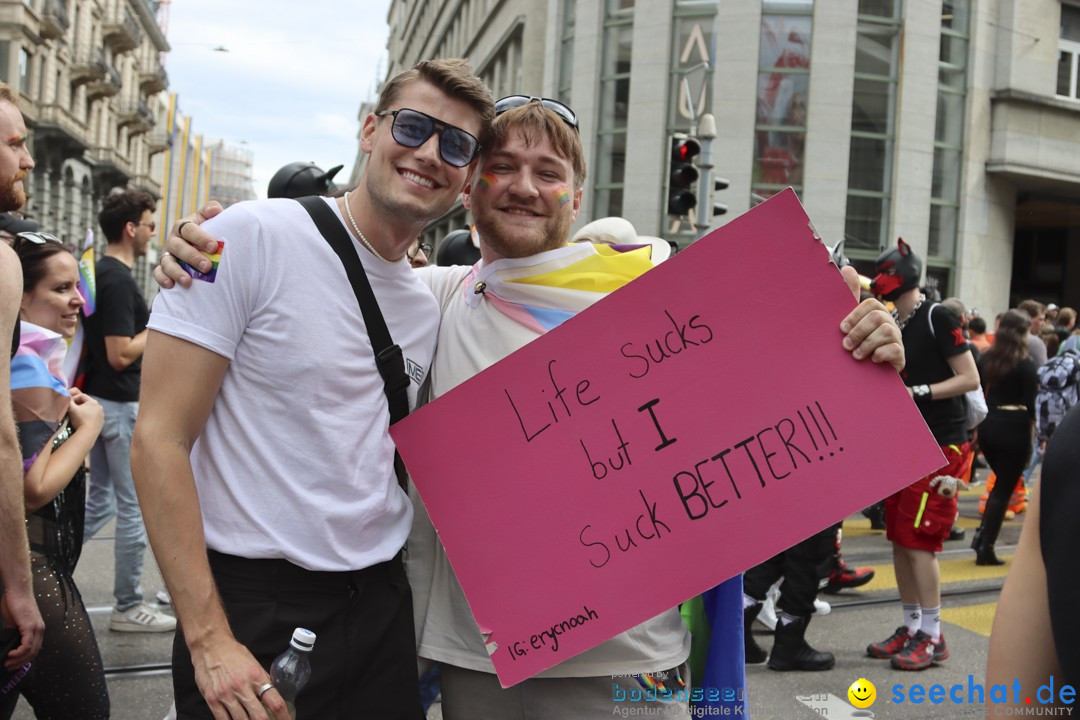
column 37, row 238
column 412, row 128
column 515, row 101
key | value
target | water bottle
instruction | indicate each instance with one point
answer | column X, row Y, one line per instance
column 291, row 669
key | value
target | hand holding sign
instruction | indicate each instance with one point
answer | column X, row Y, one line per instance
column 659, row 443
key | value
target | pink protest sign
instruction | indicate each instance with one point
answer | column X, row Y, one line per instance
column 676, row 433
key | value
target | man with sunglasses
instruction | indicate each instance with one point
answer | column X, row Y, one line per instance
column 268, row 480
column 524, row 195
column 21, row 626
column 115, row 338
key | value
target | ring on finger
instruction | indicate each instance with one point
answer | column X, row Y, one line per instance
column 180, row 228
column 262, row 690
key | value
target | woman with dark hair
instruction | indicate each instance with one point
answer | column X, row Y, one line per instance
column 57, row 428
column 1009, row 381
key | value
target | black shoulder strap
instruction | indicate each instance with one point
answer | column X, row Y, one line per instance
column 388, row 356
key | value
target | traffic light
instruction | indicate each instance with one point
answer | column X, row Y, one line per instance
column 718, row 185
column 681, row 196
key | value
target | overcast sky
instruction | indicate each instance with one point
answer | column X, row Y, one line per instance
column 291, row 82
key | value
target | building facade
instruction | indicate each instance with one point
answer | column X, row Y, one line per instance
column 89, row 75
column 954, row 124
column 232, row 178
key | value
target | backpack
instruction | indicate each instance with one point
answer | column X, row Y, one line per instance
column 1059, row 390
column 975, row 409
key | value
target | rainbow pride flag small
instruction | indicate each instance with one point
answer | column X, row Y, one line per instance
column 87, row 276
column 215, row 258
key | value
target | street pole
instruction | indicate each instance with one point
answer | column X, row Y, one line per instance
column 706, row 134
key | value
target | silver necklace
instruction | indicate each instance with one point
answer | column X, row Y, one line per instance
column 356, row 228
column 896, row 313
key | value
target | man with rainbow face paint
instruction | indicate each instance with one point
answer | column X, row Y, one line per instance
column 525, row 194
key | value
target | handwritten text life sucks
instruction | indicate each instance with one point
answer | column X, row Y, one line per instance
column 703, row 482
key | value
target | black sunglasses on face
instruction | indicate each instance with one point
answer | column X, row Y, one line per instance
column 417, row 249
column 412, row 128
column 515, row 101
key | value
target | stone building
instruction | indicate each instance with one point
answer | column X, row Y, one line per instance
column 89, row 74
column 232, row 177
column 954, row 124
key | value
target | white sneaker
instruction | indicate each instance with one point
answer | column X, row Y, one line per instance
column 821, row 607
column 163, row 597
column 767, row 616
column 141, row 618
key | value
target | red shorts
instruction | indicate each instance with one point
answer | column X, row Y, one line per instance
column 917, row 517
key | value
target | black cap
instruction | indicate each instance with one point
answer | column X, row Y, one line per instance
column 457, row 249
column 300, row 179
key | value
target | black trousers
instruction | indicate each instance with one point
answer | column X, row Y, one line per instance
column 1005, row 439
column 802, row 566
column 364, row 661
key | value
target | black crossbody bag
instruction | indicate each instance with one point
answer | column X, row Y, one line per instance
column 388, row 357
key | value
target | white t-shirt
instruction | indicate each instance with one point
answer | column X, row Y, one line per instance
column 295, row 461
column 470, row 340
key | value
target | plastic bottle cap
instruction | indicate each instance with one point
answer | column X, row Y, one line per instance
column 303, row 639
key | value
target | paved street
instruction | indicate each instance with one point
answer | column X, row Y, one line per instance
column 139, row 683
column 871, row 613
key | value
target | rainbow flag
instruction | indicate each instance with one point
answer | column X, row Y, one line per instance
column 87, row 275
column 215, row 258
column 39, row 394
column 553, row 286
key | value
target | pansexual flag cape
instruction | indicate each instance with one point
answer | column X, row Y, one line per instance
column 546, row 290
column 39, row 394
column 215, row 258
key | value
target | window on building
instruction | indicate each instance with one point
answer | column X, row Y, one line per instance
column 1068, row 77
column 949, row 133
column 613, row 109
column 566, row 56
column 783, row 91
column 873, row 121
column 24, row 70
column 503, row 73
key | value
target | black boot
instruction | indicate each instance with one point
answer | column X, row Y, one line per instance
column 987, row 534
column 792, row 652
column 755, row 654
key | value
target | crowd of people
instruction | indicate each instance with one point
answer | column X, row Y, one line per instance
column 275, row 500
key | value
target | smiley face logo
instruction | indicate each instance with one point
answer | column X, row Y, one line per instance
column 862, row 693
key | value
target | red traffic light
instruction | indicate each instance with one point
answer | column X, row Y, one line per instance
column 684, row 149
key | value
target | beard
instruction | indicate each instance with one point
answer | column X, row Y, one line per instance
column 12, row 196
column 512, row 243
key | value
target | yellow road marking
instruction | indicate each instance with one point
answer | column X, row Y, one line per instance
column 952, row 570
column 976, row 618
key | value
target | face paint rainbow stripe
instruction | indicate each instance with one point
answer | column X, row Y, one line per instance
column 485, row 181
column 563, row 195
column 215, row 258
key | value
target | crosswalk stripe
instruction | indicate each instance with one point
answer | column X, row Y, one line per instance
column 958, row 570
column 832, row 707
